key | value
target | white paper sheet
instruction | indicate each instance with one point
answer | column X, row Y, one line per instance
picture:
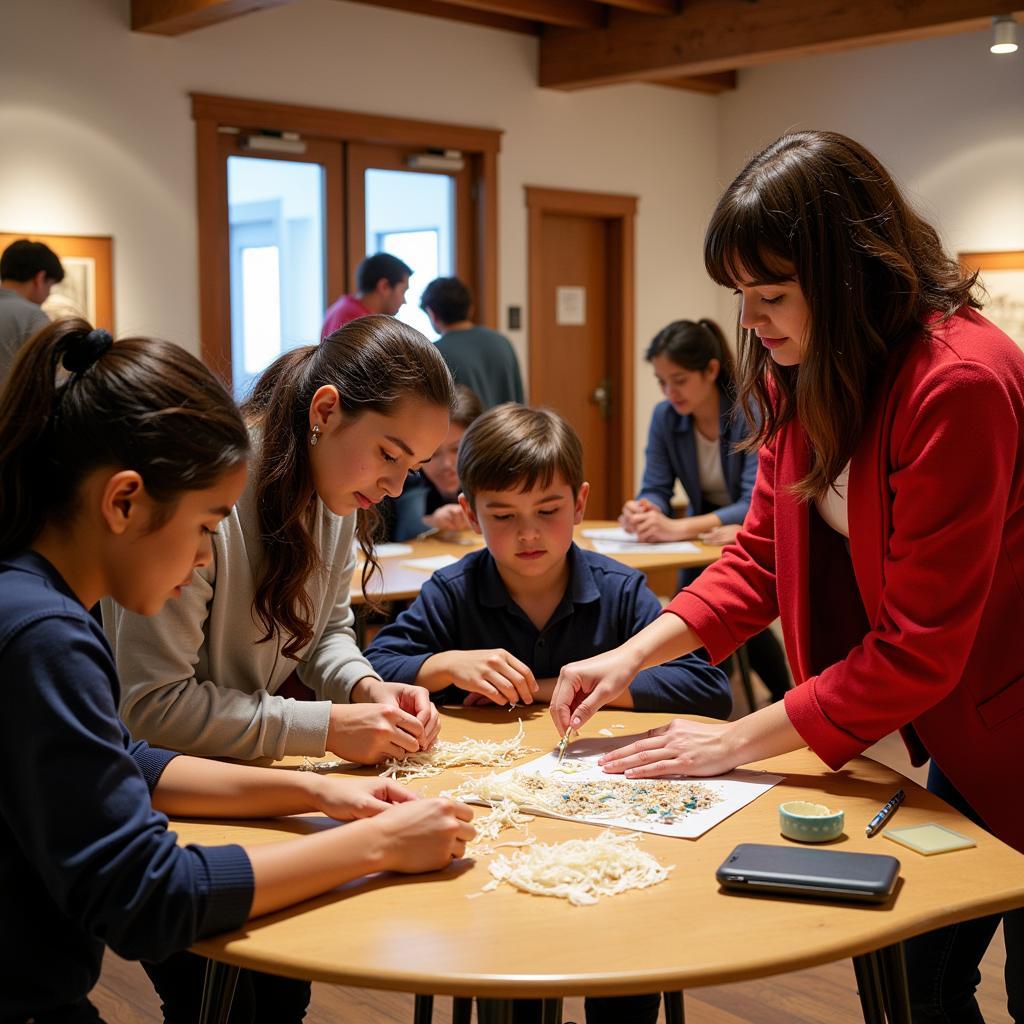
column 737, row 789
column 391, row 550
column 672, row 547
column 430, row 564
column 609, row 533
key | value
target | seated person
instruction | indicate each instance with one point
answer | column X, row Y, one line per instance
column 430, row 500
column 499, row 625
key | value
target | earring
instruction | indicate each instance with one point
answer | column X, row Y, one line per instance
column 315, row 436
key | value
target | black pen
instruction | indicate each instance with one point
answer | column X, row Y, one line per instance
column 885, row 814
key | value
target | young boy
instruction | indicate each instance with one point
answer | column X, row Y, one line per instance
column 499, row 625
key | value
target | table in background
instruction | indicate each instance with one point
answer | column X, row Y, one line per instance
column 421, row 934
column 398, row 582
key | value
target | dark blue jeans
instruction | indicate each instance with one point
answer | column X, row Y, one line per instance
column 259, row 998
column 942, row 966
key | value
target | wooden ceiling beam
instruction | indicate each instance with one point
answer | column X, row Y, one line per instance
column 722, row 81
column 175, row 17
column 452, row 12
column 646, row 6
column 570, row 14
column 710, row 36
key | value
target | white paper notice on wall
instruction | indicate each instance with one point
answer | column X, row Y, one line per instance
column 570, row 306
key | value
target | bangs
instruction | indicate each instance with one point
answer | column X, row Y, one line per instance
column 747, row 241
column 514, row 472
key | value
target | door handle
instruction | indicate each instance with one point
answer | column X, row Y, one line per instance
column 602, row 397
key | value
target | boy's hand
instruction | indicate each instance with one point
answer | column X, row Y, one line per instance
column 423, row 835
column 494, row 674
column 348, row 799
column 415, row 700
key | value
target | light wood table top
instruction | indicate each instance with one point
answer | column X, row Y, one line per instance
column 399, row 582
column 420, row 933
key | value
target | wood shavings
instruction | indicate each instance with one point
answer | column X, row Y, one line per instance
column 605, row 732
column 659, row 800
column 462, row 754
column 502, row 815
column 579, row 870
column 320, row 766
column 570, row 768
column 618, row 725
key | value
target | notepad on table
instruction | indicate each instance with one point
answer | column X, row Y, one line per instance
column 431, row 564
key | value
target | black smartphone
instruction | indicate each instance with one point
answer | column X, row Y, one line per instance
column 818, row 874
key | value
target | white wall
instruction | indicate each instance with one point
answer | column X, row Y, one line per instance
column 97, row 138
column 944, row 115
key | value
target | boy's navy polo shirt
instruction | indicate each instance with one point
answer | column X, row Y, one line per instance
column 467, row 607
column 85, row 860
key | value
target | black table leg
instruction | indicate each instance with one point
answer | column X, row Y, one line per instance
column 869, row 988
column 674, row 1012
column 423, row 1010
column 218, row 992
column 462, row 1009
column 494, row 1011
column 895, row 992
column 551, row 1011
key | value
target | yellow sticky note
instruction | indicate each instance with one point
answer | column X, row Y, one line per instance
column 929, row 838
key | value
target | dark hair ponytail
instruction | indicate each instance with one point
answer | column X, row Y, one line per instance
column 137, row 403
column 375, row 363
column 692, row 345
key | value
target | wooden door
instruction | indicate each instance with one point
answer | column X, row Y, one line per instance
column 581, row 330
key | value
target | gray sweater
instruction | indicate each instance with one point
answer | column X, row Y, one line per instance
column 195, row 679
column 19, row 320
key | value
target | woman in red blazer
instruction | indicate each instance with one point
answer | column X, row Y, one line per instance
column 887, row 525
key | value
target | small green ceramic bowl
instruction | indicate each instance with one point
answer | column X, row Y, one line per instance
column 809, row 823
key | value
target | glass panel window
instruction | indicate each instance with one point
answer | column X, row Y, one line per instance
column 412, row 216
column 276, row 218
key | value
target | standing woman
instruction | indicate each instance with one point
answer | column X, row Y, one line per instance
column 887, row 524
column 117, row 462
column 697, row 437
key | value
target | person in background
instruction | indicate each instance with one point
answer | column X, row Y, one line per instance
column 118, row 460
column 381, row 283
column 28, row 270
column 696, row 437
column 887, row 524
column 478, row 357
column 431, row 501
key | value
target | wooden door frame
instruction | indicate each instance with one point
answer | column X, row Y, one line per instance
column 619, row 211
column 480, row 146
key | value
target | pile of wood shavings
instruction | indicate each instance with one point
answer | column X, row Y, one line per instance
column 464, row 754
column 648, row 800
column 579, row 870
column 502, row 815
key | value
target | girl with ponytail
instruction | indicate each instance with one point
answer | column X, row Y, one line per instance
column 260, row 659
column 118, row 461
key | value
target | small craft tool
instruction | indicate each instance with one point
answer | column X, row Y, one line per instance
column 561, row 747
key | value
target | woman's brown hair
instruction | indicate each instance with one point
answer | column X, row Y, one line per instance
column 77, row 400
column 375, row 362
column 692, row 344
column 819, row 208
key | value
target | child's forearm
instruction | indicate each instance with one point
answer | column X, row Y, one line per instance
column 195, row 787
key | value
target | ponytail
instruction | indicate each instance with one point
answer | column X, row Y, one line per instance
column 77, row 400
column 692, row 345
column 375, row 363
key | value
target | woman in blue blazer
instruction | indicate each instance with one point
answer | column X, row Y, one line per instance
column 694, row 438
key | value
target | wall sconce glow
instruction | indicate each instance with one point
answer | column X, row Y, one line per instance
column 1004, row 35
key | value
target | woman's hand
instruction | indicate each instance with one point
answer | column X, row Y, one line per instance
column 720, row 535
column 679, row 748
column 584, row 687
column 413, row 700
column 651, row 525
column 348, row 799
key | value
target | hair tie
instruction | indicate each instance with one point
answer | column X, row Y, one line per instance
column 85, row 349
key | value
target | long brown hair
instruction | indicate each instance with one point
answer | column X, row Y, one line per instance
column 692, row 345
column 375, row 362
column 819, row 207
column 77, row 400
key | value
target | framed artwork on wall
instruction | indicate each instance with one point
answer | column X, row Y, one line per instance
column 88, row 286
column 1002, row 274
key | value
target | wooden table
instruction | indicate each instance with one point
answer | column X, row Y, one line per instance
column 423, row 934
column 399, row 582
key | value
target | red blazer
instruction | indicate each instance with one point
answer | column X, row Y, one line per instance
column 920, row 627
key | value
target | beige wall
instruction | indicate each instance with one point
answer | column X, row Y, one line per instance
column 97, row 137
column 944, row 115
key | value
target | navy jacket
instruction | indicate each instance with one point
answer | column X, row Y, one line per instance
column 85, row 861
column 466, row 607
column 672, row 455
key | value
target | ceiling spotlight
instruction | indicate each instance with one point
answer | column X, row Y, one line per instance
column 1004, row 34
